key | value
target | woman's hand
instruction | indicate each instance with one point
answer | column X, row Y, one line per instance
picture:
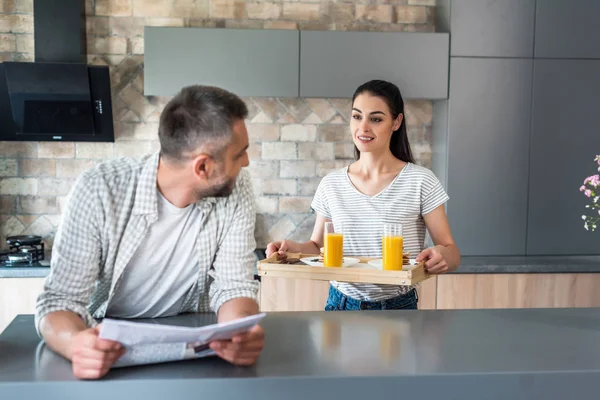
column 434, row 261
column 285, row 246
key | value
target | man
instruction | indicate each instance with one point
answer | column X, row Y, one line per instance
column 169, row 234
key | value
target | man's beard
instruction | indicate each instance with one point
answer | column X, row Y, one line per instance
column 221, row 189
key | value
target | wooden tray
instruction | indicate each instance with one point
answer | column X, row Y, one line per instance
column 271, row 267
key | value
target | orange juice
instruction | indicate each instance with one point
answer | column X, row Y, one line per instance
column 392, row 252
column 334, row 250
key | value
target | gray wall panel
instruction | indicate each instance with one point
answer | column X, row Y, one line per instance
column 484, row 28
column 334, row 64
column 248, row 62
column 489, row 123
column 567, row 29
column 565, row 140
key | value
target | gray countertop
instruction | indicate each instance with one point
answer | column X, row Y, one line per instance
column 441, row 354
column 469, row 265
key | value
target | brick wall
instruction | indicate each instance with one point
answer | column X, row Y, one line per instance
column 284, row 132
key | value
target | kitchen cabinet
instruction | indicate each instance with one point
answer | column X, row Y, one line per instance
column 18, row 296
column 248, row 62
column 488, row 154
column 334, row 63
column 492, row 28
column 567, row 29
column 565, row 139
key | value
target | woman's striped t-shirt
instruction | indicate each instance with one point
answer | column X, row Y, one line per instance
column 414, row 192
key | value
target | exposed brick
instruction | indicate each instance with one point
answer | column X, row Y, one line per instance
column 244, row 24
column 282, row 228
column 18, row 149
column 411, row 15
column 25, row 43
column 97, row 26
column 381, row 13
column 299, row 133
column 344, row 151
column 37, row 205
column 422, row 2
column 18, row 186
column 126, row 26
column 264, row 169
column 7, row 6
column 301, row 11
column 418, row 112
column 114, row 8
column 107, row 45
column 151, row 8
column 8, row 167
column 279, row 186
column 267, row 205
column 16, row 23
column 8, row 43
column 297, row 169
column 101, row 151
column 190, row 9
column 263, row 10
column 54, row 187
column 316, row 151
column 37, row 167
column 24, row 6
column 280, row 25
column 227, row 9
column 308, row 186
column 294, row 205
column 322, row 108
column 133, row 149
column 341, row 12
column 325, row 167
column 56, row 150
column 7, row 204
column 278, row 151
column 333, row 133
column 263, row 132
column 72, row 168
column 137, row 45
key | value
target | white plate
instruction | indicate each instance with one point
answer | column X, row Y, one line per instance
column 379, row 263
column 348, row 262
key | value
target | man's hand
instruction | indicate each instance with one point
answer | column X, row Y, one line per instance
column 92, row 357
column 243, row 349
column 434, row 261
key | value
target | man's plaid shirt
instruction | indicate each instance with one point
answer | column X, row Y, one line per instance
column 108, row 213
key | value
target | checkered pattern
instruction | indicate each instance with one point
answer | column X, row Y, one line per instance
column 108, row 213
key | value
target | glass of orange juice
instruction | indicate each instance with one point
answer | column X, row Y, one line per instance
column 392, row 246
column 334, row 246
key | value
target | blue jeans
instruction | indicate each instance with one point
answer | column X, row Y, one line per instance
column 338, row 301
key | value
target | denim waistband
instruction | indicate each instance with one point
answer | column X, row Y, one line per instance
column 391, row 303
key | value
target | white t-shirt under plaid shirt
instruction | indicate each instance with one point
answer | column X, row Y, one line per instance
column 414, row 192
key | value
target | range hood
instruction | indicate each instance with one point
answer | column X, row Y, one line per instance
column 58, row 97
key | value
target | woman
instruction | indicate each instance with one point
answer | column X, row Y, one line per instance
column 382, row 186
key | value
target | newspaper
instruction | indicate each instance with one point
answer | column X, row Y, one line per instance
column 151, row 343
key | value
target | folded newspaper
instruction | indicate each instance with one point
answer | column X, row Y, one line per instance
column 151, row 343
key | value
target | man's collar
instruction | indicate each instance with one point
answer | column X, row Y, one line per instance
column 146, row 191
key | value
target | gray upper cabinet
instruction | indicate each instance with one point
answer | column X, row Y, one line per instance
column 334, row 64
column 488, row 152
column 567, row 29
column 484, row 28
column 248, row 62
column 565, row 140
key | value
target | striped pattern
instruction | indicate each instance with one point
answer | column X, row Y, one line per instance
column 414, row 192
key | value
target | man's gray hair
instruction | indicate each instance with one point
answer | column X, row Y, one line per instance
column 198, row 117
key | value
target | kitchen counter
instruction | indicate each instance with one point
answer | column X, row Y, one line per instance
column 466, row 354
column 38, row 270
column 528, row 264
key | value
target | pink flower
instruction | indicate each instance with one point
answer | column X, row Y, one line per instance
column 588, row 193
column 594, row 180
column 582, row 188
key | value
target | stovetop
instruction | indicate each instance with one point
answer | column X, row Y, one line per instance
column 23, row 251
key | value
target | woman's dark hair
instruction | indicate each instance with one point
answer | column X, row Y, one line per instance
column 389, row 92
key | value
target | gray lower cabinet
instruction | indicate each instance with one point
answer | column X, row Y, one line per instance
column 248, row 62
column 567, row 29
column 488, row 151
column 483, row 28
column 334, row 64
column 565, row 140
